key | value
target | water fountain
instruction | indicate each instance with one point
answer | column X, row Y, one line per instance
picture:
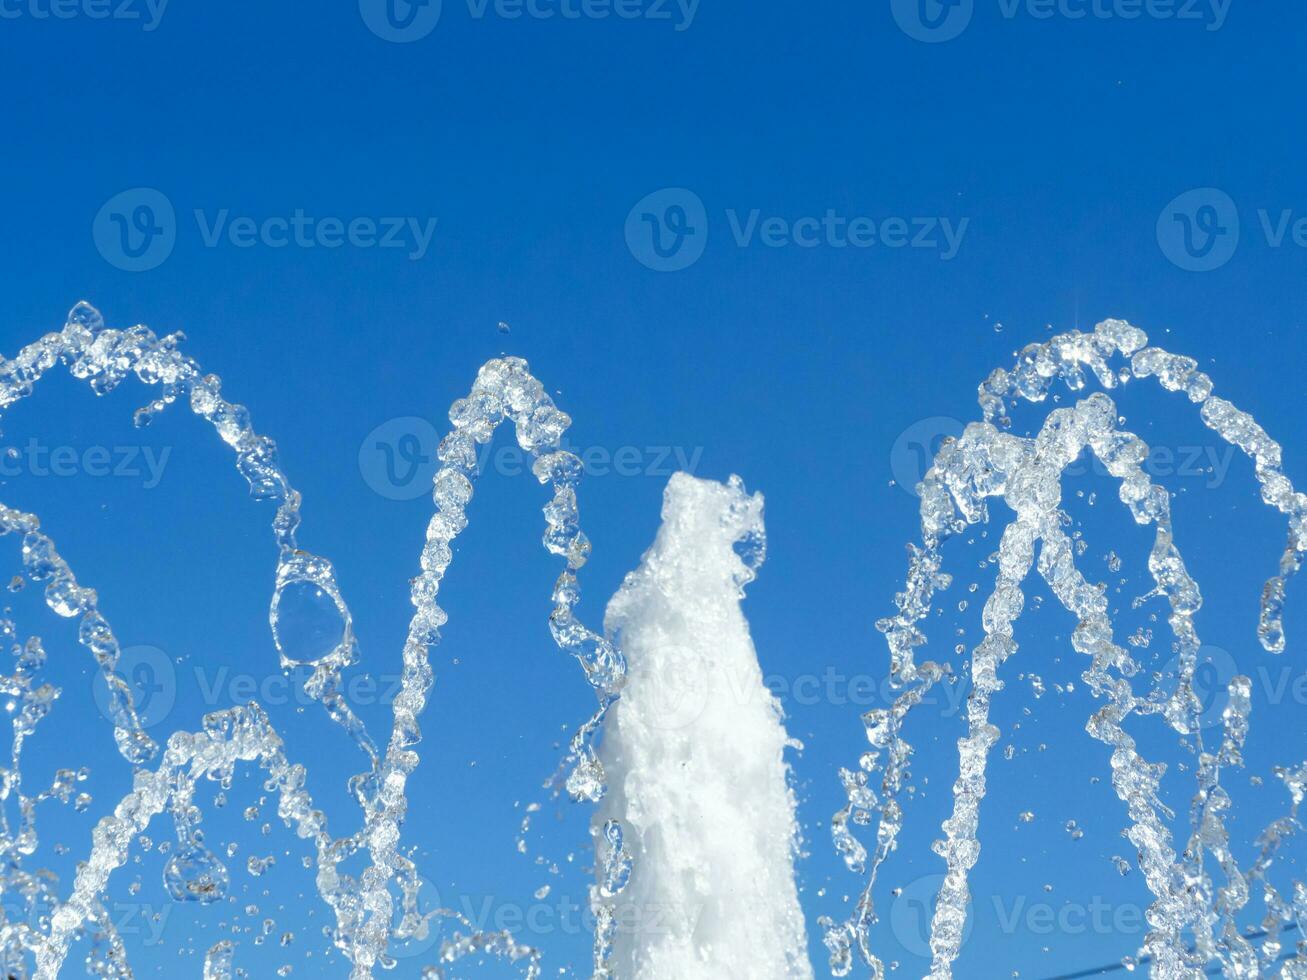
column 684, row 755
column 1193, row 917
column 694, row 751
column 363, row 907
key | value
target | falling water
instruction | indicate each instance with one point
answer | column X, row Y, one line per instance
column 694, row 750
column 312, row 627
column 1199, row 889
column 1192, row 919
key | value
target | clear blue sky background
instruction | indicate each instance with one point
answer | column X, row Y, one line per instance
column 1055, row 145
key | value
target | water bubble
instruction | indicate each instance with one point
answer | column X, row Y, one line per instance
column 194, row 874
column 307, row 625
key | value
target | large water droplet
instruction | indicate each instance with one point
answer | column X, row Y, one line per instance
column 307, row 625
column 194, row 874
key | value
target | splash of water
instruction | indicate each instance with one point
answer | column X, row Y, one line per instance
column 1192, row 919
column 695, row 754
column 305, row 591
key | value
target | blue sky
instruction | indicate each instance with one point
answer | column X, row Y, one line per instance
column 775, row 240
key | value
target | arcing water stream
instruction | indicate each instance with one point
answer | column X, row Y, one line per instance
column 1192, row 919
column 363, row 907
column 649, row 847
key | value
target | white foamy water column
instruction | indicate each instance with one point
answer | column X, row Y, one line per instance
column 694, row 753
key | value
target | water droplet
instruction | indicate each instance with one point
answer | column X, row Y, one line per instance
column 194, row 874
column 306, row 624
